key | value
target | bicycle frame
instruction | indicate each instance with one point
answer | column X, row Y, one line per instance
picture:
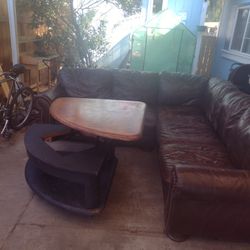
column 4, row 109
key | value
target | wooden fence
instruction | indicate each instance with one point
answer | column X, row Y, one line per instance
column 5, row 46
column 206, row 55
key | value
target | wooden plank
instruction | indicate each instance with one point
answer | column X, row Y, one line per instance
column 206, row 55
column 4, row 86
column 3, row 9
column 5, row 48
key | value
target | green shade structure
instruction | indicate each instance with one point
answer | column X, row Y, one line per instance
column 163, row 44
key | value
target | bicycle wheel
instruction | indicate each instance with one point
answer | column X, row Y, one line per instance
column 20, row 108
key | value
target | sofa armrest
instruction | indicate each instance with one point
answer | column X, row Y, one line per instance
column 40, row 110
column 54, row 92
column 208, row 202
column 42, row 101
column 203, row 183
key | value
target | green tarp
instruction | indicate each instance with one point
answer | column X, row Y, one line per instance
column 164, row 44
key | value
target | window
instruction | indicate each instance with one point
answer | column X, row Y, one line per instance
column 240, row 41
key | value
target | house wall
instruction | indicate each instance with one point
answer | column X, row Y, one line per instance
column 223, row 60
column 190, row 10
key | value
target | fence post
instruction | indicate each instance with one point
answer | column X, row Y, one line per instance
column 13, row 31
column 206, row 55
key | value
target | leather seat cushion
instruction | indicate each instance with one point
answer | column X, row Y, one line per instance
column 214, row 156
column 186, row 138
column 184, row 124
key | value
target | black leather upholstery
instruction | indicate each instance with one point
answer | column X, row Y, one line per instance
column 136, row 86
column 180, row 89
column 91, row 83
column 203, row 136
column 204, row 153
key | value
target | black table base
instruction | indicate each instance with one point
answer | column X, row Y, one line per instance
column 74, row 179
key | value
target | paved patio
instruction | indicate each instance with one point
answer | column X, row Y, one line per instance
column 132, row 219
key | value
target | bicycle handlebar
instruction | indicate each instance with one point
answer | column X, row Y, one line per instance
column 14, row 72
column 8, row 76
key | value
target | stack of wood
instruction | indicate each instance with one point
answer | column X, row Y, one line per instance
column 4, row 87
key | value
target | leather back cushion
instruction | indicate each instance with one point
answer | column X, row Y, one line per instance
column 180, row 89
column 244, row 141
column 212, row 99
column 238, row 141
column 225, row 106
column 136, row 86
column 89, row 83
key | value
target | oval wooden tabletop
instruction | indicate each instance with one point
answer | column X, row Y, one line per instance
column 115, row 119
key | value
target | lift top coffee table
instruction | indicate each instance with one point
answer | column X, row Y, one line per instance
column 113, row 119
column 90, row 176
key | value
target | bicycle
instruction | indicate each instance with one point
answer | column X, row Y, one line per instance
column 17, row 106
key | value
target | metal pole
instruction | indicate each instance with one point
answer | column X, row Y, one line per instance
column 147, row 9
column 13, row 30
column 199, row 38
column 179, row 52
column 145, row 50
column 164, row 4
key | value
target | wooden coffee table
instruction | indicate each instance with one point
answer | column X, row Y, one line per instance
column 92, row 174
column 113, row 119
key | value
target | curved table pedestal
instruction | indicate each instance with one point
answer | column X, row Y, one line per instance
column 81, row 187
column 66, row 194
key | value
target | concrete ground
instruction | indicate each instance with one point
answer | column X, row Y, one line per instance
column 132, row 218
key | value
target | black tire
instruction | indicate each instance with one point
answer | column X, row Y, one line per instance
column 21, row 107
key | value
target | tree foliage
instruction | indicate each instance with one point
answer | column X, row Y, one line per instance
column 214, row 10
column 70, row 30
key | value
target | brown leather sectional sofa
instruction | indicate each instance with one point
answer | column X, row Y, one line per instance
column 201, row 129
